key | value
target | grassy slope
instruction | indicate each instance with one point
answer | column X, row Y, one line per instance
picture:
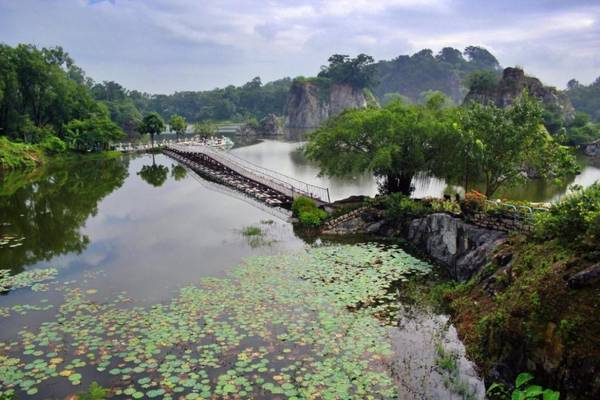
column 524, row 317
column 19, row 155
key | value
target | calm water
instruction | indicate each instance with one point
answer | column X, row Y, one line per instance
column 287, row 158
column 133, row 232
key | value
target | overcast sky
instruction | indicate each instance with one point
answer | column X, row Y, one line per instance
column 162, row 46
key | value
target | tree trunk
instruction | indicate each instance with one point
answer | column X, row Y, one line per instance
column 152, row 139
column 399, row 183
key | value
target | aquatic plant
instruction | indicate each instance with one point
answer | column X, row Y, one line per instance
column 25, row 279
column 277, row 325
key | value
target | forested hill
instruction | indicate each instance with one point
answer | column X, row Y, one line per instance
column 585, row 98
column 447, row 72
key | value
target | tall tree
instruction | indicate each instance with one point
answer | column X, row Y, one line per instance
column 178, row 124
column 496, row 146
column 394, row 143
column 152, row 124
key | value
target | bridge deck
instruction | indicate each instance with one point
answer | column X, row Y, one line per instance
column 270, row 186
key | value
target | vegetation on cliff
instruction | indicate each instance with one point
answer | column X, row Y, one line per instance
column 533, row 307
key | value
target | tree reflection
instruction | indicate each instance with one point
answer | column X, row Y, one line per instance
column 48, row 207
column 155, row 175
column 178, row 172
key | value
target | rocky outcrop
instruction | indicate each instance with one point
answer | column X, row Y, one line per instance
column 271, row 125
column 513, row 83
column 591, row 149
column 309, row 104
column 362, row 220
column 463, row 247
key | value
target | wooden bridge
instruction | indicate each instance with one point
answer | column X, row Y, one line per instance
column 266, row 185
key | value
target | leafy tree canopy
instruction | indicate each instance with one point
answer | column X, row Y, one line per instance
column 358, row 72
column 394, row 143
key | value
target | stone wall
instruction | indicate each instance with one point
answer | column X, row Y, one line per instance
column 504, row 223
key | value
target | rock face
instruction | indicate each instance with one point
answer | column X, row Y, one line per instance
column 464, row 248
column 309, row 105
column 591, row 149
column 512, row 85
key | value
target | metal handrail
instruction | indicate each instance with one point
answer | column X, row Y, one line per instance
column 287, row 185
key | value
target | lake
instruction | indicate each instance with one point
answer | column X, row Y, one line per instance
column 135, row 273
column 287, row 158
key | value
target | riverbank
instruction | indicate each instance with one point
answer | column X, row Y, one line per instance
column 521, row 300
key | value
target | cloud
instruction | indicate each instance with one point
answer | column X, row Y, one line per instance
column 168, row 45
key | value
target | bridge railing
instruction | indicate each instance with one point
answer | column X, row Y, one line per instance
column 285, row 184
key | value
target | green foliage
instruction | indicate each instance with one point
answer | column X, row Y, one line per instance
column 205, row 129
column 18, row 155
column 92, row 134
column 53, row 145
column 394, row 143
column 307, row 212
column 94, row 392
column 152, row 124
column 485, row 81
column 523, row 390
column 357, row 72
column 575, row 220
column 252, row 231
column 446, row 72
column 582, row 130
column 585, row 98
column 400, row 208
column 41, row 90
column 178, row 124
column 492, row 145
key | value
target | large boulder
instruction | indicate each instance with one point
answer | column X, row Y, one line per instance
column 462, row 247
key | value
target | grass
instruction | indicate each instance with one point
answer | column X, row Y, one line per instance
column 250, row 231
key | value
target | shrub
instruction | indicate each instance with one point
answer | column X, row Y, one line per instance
column 301, row 203
column 400, row 208
column 312, row 218
column 307, row 212
column 523, row 390
column 575, row 219
column 18, row 155
column 52, row 144
column 474, row 201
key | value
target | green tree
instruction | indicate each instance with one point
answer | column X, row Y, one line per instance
column 358, row 72
column 205, row 129
column 178, row 124
column 92, row 134
column 394, row 143
column 495, row 146
column 152, row 124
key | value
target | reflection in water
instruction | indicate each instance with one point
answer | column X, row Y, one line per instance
column 287, row 158
column 155, row 175
column 49, row 208
column 178, row 172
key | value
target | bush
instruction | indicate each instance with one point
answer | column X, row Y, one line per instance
column 474, row 201
column 18, row 155
column 307, row 212
column 53, row 145
column 399, row 208
column 574, row 220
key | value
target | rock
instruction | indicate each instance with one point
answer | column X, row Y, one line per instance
column 591, row 149
column 462, row 247
column 513, row 83
column 271, row 125
column 309, row 104
column 246, row 130
column 587, row 277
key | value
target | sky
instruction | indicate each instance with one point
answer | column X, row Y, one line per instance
column 163, row 46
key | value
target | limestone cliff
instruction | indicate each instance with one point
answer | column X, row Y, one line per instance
column 309, row 104
column 511, row 86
